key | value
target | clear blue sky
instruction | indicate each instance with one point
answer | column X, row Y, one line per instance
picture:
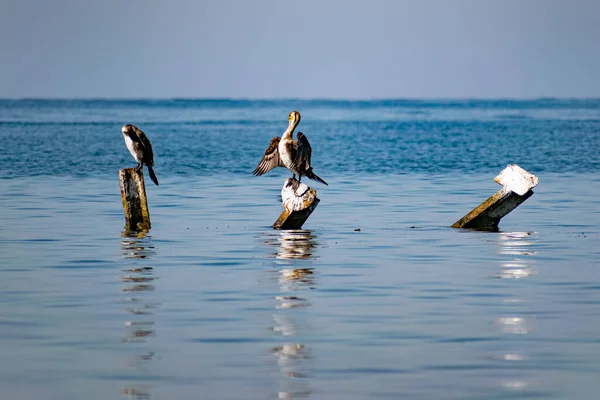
column 300, row 49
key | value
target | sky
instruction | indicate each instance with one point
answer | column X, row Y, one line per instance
column 340, row 49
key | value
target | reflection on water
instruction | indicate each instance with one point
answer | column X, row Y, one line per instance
column 290, row 360
column 136, row 245
column 516, row 263
column 295, row 282
column 292, row 244
column 141, row 393
column 515, row 245
column 513, row 325
column 139, row 282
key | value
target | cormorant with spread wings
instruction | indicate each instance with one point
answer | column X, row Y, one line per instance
column 289, row 153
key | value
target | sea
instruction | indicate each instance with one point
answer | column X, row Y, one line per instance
column 375, row 298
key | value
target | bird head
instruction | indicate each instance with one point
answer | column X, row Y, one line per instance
column 294, row 118
column 127, row 128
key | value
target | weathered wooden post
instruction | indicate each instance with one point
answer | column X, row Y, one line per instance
column 299, row 201
column 516, row 188
column 133, row 195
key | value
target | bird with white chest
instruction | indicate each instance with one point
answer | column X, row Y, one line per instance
column 292, row 154
column 140, row 148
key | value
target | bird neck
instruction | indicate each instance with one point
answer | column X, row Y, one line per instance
column 288, row 134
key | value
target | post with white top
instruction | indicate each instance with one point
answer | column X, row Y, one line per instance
column 516, row 188
column 133, row 195
column 299, row 201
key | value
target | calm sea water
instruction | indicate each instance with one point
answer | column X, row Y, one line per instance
column 213, row 303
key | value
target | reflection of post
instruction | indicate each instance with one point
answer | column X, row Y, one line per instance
column 517, row 184
column 515, row 248
column 292, row 244
column 515, row 244
column 299, row 201
column 293, row 356
column 139, row 281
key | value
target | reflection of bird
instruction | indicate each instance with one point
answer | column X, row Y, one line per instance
column 140, row 148
column 289, row 153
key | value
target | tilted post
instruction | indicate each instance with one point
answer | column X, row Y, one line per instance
column 299, row 201
column 517, row 184
column 133, row 195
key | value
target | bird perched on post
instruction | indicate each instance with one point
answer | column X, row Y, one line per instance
column 140, row 148
column 289, row 153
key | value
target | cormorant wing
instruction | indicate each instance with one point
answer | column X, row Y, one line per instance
column 145, row 143
column 142, row 139
column 302, row 159
column 270, row 160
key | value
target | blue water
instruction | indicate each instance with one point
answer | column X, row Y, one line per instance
column 195, row 137
column 213, row 303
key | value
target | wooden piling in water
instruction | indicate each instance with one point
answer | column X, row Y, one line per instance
column 133, row 195
column 299, row 201
column 516, row 188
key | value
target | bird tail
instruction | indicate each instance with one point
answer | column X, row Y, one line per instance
column 311, row 175
column 152, row 175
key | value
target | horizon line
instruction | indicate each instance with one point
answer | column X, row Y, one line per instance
column 424, row 99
